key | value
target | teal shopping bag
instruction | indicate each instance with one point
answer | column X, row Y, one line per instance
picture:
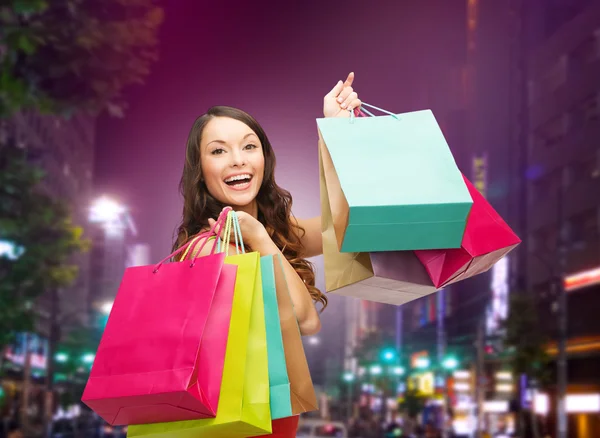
column 279, row 383
column 392, row 183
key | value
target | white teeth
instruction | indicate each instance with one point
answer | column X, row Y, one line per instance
column 238, row 177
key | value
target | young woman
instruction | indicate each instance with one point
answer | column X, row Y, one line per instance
column 230, row 162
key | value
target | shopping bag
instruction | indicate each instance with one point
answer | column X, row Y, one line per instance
column 394, row 277
column 284, row 428
column 162, row 352
column 393, row 183
column 244, row 401
column 487, row 239
column 279, row 384
column 302, row 391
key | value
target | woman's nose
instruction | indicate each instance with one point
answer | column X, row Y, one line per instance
column 237, row 158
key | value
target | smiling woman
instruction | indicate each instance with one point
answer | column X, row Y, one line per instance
column 230, row 162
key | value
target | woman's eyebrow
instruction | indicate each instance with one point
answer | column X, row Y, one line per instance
column 224, row 142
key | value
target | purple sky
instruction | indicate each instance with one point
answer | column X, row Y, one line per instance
column 275, row 60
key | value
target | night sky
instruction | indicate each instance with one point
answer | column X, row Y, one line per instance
column 275, row 60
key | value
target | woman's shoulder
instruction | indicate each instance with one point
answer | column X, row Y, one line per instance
column 196, row 244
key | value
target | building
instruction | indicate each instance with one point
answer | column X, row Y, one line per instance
column 64, row 149
column 114, row 248
column 563, row 205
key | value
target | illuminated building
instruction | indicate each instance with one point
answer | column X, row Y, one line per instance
column 64, row 149
column 563, row 175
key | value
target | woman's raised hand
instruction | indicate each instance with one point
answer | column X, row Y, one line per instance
column 252, row 230
column 341, row 99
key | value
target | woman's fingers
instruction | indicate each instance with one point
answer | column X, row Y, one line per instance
column 335, row 91
column 351, row 98
column 347, row 91
column 356, row 103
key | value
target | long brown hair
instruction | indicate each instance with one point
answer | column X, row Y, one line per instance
column 274, row 203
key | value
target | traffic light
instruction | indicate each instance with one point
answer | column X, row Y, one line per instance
column 388, row 355
column 450, row 363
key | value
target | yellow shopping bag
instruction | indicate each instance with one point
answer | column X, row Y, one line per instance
column 244, row 401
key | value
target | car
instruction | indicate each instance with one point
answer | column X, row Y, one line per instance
column 321, row 429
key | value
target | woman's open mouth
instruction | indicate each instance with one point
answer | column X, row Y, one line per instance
column 239, row 182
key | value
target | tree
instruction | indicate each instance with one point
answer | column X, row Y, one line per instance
column 62, row 56
column 38, row 230
column 526, row 343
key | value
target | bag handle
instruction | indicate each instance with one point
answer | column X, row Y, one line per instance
column 232, row 225
column 362, row 110
column 220, row 223
column 187, row 245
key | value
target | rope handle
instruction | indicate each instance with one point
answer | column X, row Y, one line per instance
column 362, row 111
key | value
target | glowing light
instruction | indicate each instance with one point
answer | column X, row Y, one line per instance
column 495, row 406
column 582, row 279
column 106, row 307
column 504, row 387
column 504, row 375
column 10, row 250
column 450, row 363
column 375, row 370
column 398, row 371
column 498, row 310
column 422, row 362
column 583, row 403
column 462, row 374
column 106, row 210
column 61, row 357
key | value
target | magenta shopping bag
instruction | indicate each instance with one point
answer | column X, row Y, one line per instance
column 162, row 353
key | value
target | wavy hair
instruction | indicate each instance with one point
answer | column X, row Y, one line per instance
column 274, row 203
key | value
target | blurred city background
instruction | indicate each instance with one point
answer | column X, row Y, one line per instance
column 99, row 96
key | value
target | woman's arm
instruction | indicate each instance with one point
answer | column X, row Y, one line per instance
column 337, row 103
column 304, row 307
column 258, row 239
column 311, row 238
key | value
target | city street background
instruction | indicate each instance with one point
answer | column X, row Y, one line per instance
column 515, row 87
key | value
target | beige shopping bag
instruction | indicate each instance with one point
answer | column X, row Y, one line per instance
column 395, row 277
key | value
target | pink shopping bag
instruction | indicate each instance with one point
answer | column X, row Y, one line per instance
column 486, row 240
column 162, row 353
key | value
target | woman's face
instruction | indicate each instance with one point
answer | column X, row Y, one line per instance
column 232, row 161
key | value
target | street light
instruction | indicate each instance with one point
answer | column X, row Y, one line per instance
column 61, row 357
column 106, row 307
column 375, row 370
column 348, row 377
column 422, row 363
column 450, row 363
column 398, row 371
column 88, row 358
column 388, row 355
column 106, row 211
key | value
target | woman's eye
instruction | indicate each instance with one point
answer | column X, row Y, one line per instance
column 218, row 151
column 250, row 146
